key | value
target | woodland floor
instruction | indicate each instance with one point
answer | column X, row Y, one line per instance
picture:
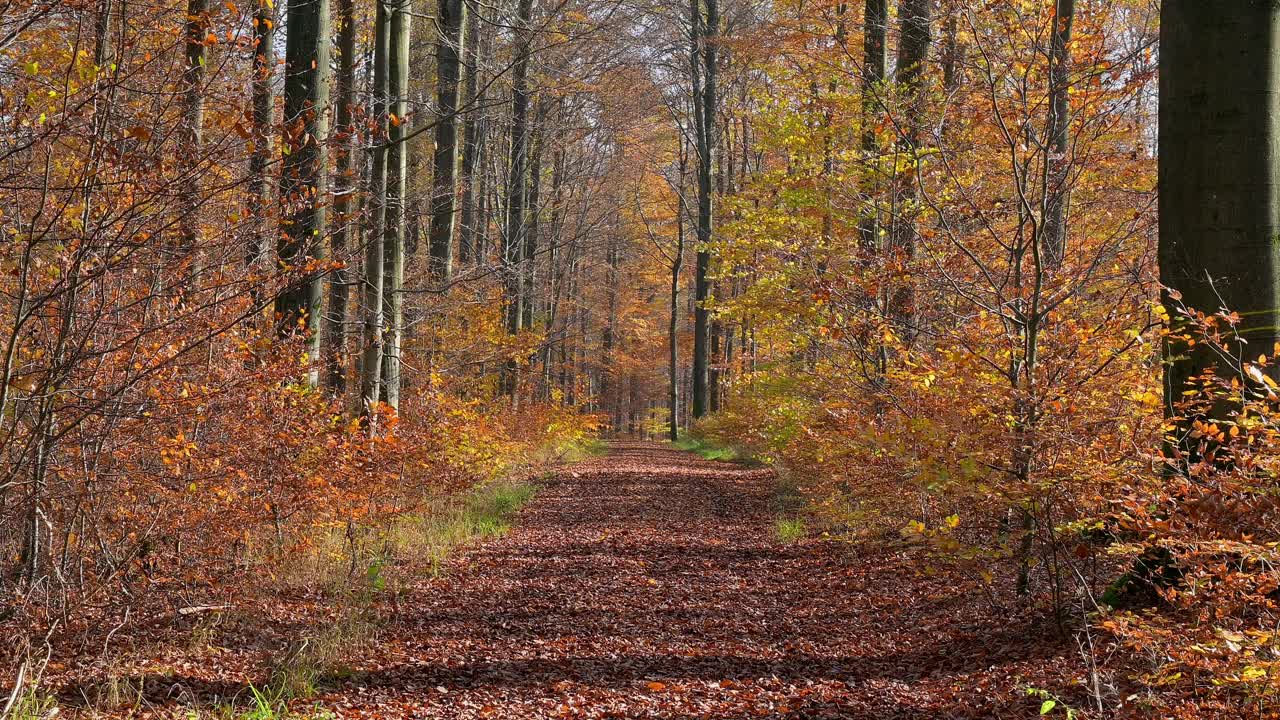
column 650, row 583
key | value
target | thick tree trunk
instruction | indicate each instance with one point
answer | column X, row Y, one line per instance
column 529, row 253
column 517, row 185
column 876, row 20
column 472, row 136
column 373, row 286
column 608, row 336
column 261, row 154
column 449, row 45
column 1219, row 169
column 913, row 55
column 341, row 236
column 302, row 181
column 394, row 231
column 1059, row 131
column 558, row 258
column 714, row 372
column 705, row 34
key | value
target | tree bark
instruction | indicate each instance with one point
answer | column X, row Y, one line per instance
column 913, row 55
column 344, row 193
column 1059, row 131
column 302, row 182
column 1219, row 169
column 449, row 45
column 394, row 230
column 673, row 325
column 261, row 152
column 192, row 127
column 517, row 185
column 705, row 39
column 529, row 259
column 472, row 137
column 371, row 306
column 876, row 20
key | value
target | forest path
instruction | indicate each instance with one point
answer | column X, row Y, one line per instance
column 650, row 583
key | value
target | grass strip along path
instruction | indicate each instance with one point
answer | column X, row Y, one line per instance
column 651, row 583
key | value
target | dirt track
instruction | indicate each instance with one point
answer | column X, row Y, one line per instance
column 649, row 583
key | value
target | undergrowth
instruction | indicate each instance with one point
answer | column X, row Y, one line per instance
column 790, row 530
column 788, row 505
column 30, row 703
column 706, row 448
column 580, row 449
column 353, row 566
column 421, row 541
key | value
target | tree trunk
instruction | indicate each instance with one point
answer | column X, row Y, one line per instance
column 913, row 55
column 608, row 337
column 1059, row 131
column 517, row 185
column 449, row 45
column 192, row 128
column 260, row 154
column 705, row 40
column 472, row 137
column 394, row 231
column 529, row 259
column 371, row 307
column 344, row 194
column 876, row 19
column 673, row 325
column 302, row 181
column 1219, row 168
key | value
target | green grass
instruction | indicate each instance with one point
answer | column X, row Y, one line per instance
column 790, row 530
column 705, row 448
column 31, row 704
column 356, row 564
column 453, row 522
column 581, row 450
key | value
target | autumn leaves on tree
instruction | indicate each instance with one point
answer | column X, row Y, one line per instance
column 276, row 271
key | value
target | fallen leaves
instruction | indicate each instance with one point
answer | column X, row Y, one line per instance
column 692, row 609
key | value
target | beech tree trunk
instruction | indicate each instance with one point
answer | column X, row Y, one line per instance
column 705, row 37
column 673, row 325
column 394, row 230
column 1059, row 131
column 529, row 253
column 1218, row 175
column 449, row 45
column 876, row 20
column 302, row 181
column 192, row 127
column 517, row 185
column 261, row 153
column 472, row 136
column 371, row 306
column 335, row 334
column 913, row 56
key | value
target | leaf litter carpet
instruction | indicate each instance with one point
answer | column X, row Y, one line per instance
column 649, row 584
